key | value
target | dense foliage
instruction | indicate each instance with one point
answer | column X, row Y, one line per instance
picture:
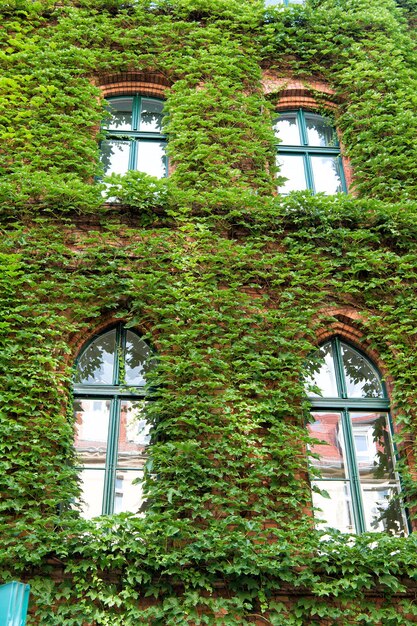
column 228, row 281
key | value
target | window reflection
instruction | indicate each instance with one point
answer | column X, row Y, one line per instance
column 352, row 448
column 362, row 380
column 292, row 168
column 120, row 110
column 308, row 153
column 134, row 138
column 96, row 363
column 112, row 430
column 326, row 174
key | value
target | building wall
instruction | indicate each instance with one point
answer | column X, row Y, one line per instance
column 232, row 284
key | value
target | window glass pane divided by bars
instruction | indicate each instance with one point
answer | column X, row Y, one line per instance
column 134, row 138
column 111, row 427
column 309, row 153
column 354, row 452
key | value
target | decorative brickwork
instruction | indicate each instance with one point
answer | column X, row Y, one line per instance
column 145, row 83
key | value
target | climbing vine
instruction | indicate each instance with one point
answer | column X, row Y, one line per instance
column 231, row 284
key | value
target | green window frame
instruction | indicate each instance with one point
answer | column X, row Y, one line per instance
column 355, row 485
column 309, row 153
column 112, row 431
column 134, row 138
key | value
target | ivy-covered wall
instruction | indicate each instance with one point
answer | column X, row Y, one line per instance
column 231, row 283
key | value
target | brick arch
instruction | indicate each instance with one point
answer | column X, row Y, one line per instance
column 293, row 94
column 348, row 325
column 126, row 83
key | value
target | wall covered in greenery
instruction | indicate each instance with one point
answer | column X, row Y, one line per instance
column 230, row 282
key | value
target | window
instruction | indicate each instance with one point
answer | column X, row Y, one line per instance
column 134, row 139
column 354, row 452
column 110, row 414
column 309, row 154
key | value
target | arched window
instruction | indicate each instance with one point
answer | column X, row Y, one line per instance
column 355, row 456
column 309, row 154
column 134, row 139
column 110, row 414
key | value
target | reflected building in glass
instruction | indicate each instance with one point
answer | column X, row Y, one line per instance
column 355, row 485
column 112, row 431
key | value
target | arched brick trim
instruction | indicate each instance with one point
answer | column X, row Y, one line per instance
column 347, row 323
column 308, row 94
column 146, row 83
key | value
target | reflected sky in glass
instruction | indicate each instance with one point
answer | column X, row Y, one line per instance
column 151, row 116
column 319, row 132
column 287, row 130
column 137, row 353
column 121, row 113
column 115, row 154
column 292, row 168
column 324, row 376
column 326, row 174
column 336, row 512
column 362, row 380
column 151, row 158
column 96, row 363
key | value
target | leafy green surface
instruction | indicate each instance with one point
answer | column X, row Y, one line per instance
column 229, row 283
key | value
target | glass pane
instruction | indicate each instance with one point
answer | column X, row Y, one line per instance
column 137, row 353
column 134, row 434
column 151, row 115
column 96, row 364
column 121, row 113
column 319, row 131
column 382, row 508
column 379, row 482
column 292, row 168
column 114, row 155
column 91, row 430
column 128, row 492
column 326, row 174
column 373, row 446
column 286, row 128
column 362, row 380
column 92, row 487
column 335, row 511
column 151, row 158
column 327, row 427
column 321, row 373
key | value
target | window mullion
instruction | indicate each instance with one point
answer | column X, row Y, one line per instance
column 339, row 369
column 112, row 445
column 353, row 470
column 309, row 172
column 136, row 111
column 353, row 473
column 302, row 128
column 118, row 355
